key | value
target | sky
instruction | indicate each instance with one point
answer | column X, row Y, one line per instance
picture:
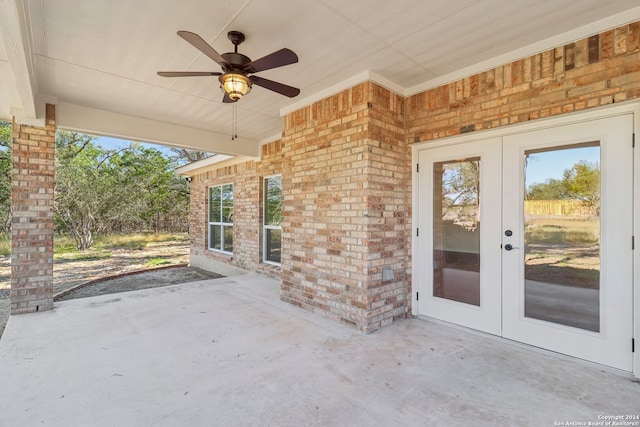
column 114, row 143
column 552, row 164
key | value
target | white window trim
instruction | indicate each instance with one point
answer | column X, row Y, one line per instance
column 223, row 225
column 268, row 227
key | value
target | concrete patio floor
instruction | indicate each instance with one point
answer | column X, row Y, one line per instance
column 227, row 352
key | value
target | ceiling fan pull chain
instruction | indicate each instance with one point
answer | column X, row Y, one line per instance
column 234, row 122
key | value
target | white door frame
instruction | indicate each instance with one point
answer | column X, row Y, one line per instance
column 597, row 113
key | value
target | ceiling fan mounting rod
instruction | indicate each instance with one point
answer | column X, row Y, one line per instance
column 236, row 38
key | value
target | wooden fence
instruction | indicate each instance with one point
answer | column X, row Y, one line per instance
column 558, row 208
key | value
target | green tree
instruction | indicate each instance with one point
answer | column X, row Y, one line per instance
column 553, row 189
column 155, row 193
column 580, row 182
column 86, row 194
column 461, row 191
column 6, row 140
column 583, row 183
column 132, row 189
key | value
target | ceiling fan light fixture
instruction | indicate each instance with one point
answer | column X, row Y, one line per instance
column 235, row 85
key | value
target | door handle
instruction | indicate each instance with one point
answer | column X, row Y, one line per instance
column 510, row 247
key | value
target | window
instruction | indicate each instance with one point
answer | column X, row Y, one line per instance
column 272, row 219
column 221, row 218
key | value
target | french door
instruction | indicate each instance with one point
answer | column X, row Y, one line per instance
column 528, row 237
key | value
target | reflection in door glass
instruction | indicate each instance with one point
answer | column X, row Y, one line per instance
column 562, row 235
column 456, row 230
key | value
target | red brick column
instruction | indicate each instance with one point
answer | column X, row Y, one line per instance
column 32, row 196
column 345, row 212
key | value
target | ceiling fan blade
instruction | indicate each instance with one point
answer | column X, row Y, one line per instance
column 204, row 47
column 276, row 59
column 187, row 73
column 228, row 100
column 280, row 88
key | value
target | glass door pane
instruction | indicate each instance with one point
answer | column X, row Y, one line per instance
column 562, row 235
column 456, row 230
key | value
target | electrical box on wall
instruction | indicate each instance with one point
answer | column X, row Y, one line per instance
column 387, row 274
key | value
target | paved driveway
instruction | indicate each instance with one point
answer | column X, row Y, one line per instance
column 227, row 352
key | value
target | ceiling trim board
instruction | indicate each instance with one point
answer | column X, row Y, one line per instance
column 202, row 166
column 106, row 123
column 191, row 169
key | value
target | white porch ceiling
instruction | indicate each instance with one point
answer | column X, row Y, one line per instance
column 97, row 60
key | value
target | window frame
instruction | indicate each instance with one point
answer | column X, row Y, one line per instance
column 266, row 227
column 223, row 226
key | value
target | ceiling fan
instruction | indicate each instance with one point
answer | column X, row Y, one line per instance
column 235, row 80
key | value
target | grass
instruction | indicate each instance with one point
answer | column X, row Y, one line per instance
column 156, row 262
column 65, row 247
column 5, row 245
column 564, row 261
column 89, row 256
column 136, row 241
column 563, row 231
column 565, row 251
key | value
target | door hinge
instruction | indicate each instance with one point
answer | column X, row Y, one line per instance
column 633, row 242
column 417, row 296
column 633, row 345
column 417, row 167
column 633, row 140
column 417, row 232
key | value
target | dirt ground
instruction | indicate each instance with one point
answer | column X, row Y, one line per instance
column 569, row 265
column 68, row 274
column 131, row 282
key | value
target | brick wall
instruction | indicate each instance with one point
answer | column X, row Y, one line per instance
column 33, row 182
column 247, row 220
column 388, row 208
column 599, row 70
column 346, row 169
column 345, row 207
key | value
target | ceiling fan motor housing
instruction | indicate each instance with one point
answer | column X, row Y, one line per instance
column 236, row 60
